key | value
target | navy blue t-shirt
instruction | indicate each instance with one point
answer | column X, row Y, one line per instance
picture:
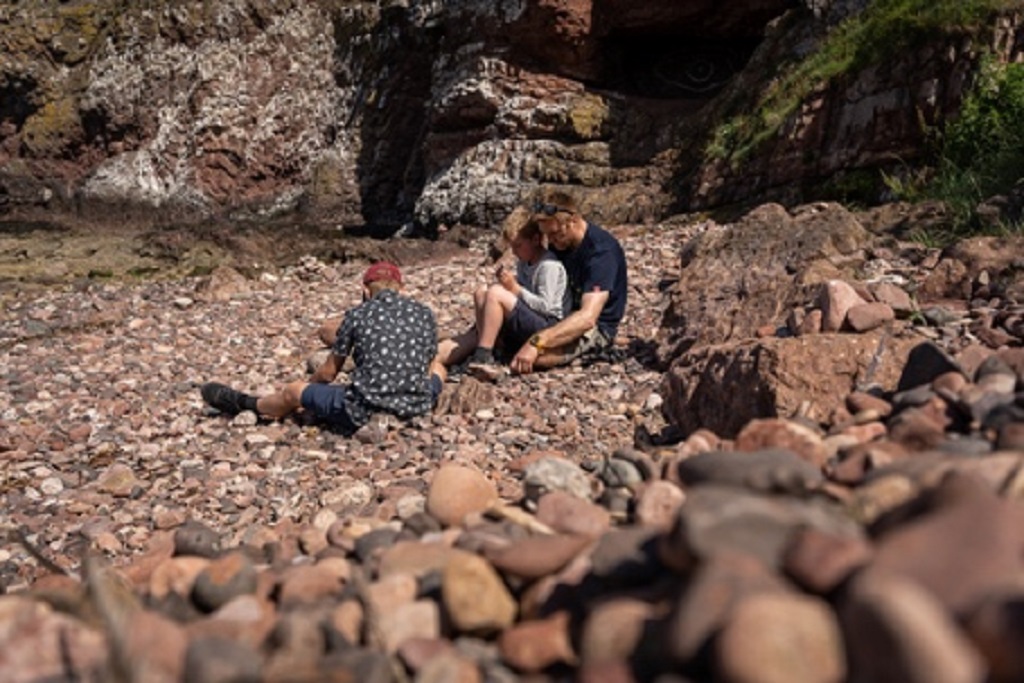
column 598, row 264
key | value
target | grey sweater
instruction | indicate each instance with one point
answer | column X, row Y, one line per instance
column 545, row 286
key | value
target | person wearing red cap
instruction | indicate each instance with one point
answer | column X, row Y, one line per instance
column 391, row 340
column 380, row 270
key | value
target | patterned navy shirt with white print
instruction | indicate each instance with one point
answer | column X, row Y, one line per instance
column 392, row 340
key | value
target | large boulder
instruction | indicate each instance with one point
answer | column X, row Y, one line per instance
column 723, row 387
column 739, row 278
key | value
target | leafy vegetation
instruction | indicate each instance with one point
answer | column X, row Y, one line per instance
column 975, row 156
column 883, row 29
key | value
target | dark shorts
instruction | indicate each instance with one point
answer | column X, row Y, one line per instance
column 327, row 402
column 522, row 323
column 436, row 386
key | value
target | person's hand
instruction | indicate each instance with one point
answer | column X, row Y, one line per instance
column 524, row 360
column 508, row 280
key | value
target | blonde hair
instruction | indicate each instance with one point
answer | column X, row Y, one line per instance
column 562, row 200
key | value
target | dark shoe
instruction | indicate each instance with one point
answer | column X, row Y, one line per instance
column 481, row 356
column 223, row 398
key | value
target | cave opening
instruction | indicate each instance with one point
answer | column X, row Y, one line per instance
column 673, row 66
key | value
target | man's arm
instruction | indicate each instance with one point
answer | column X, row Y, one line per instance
column 330, row 368
column 340, row 350
column 576, row 324
column 565, row 332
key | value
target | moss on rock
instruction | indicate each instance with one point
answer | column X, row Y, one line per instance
column 48, row 131
column 588, row 116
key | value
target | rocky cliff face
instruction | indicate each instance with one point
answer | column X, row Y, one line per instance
column 385, row 113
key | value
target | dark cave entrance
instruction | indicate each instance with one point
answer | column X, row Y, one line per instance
column 673, row 66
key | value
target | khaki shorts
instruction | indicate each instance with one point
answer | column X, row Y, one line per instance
column 593, row 340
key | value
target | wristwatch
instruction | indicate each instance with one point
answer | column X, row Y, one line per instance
column 535, row 342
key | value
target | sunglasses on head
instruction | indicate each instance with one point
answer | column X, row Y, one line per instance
column 548, row 209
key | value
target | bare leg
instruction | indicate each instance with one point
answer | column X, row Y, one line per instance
column 456, row 349
column 282, row 402
column 329, row 331
column 498, row 304
column 479, row 302
column 438, row 368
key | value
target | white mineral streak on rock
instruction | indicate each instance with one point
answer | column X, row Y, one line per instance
column 266, row 103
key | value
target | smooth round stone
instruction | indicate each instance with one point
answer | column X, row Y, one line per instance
column 457, row 491
column 223, row 580
column 555, row 474
column 569, row 514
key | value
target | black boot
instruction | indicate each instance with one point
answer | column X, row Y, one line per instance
column 227, row 400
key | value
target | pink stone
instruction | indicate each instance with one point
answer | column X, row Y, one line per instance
column 39, row 644
column 821, row 561
column 859, row 402
column 811, row 324
column 781, row 638
column 657, row 503
column 894, row 296
column 897, row 631
column 570, row 514
column 864, row 433
column 781, row 433
column 456, row 491
column 309, row 584
column 420, row 619
column 176, row 574
column 347, row 619
column 450, row 667
column 865, row 317
column 416, row 652
column 156, row 645
column 392, row 591
column 537, row 556
column 836, row 299
column 614, row 629
column 533, row 646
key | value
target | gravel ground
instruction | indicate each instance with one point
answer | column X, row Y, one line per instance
column 104, row 438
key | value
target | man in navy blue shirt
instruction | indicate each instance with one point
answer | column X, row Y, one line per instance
column 596, row 266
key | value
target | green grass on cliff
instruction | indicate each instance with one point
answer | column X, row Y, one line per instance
column 884, row 29
column 975, row 156
column 978, row 155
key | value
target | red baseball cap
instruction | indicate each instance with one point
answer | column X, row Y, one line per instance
column 382, row 270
